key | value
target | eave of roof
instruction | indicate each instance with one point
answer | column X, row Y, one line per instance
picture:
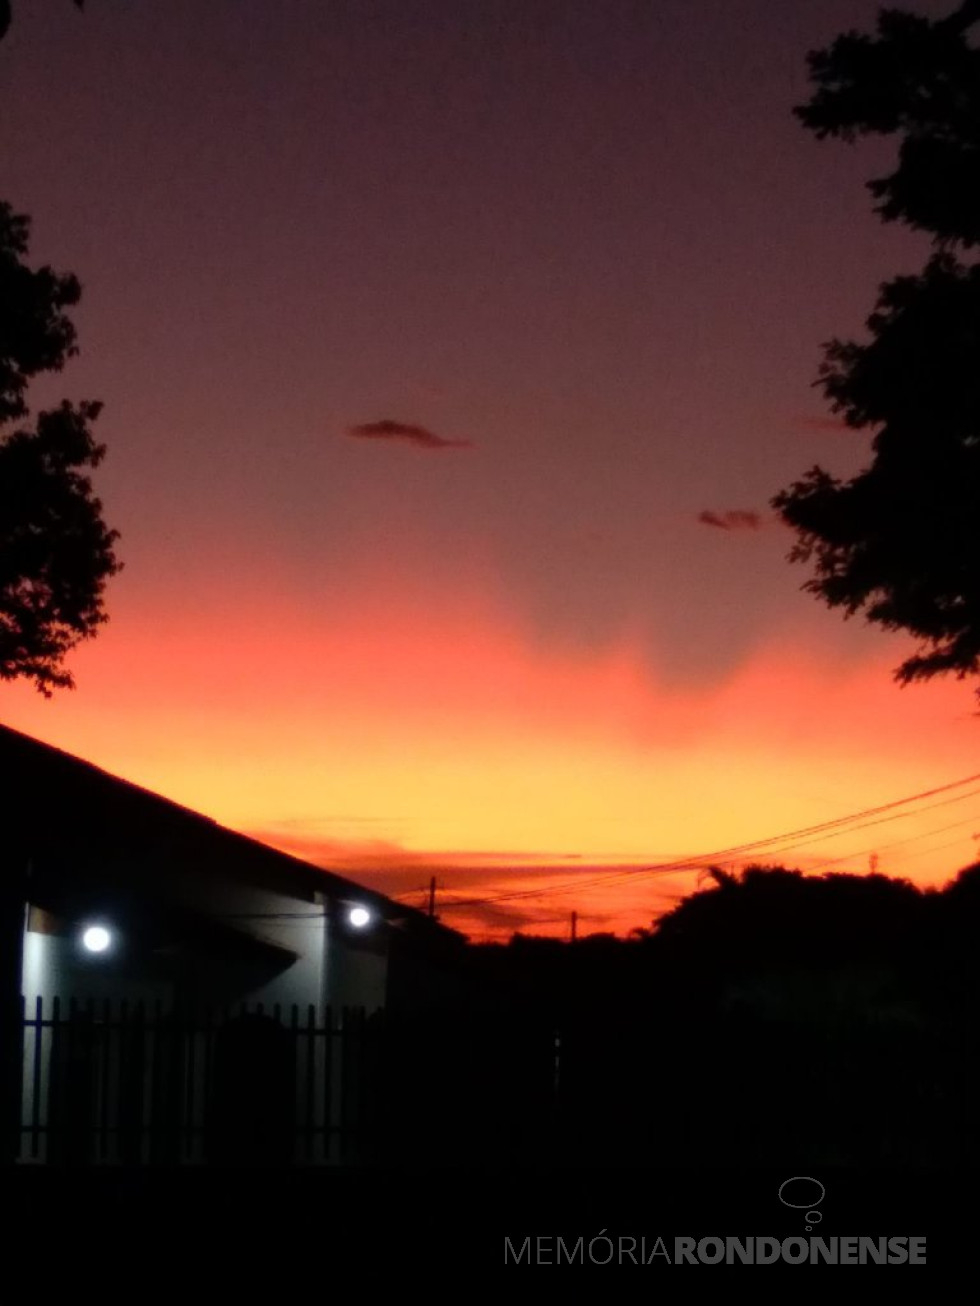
column 38, row 771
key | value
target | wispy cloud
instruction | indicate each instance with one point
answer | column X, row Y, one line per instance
column 490, row 894
column 405, row 433
column 735, row 519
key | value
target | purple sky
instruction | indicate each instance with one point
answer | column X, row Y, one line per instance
column 588, row 237
column 587, row 240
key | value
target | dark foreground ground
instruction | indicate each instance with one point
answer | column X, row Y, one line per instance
column 780, row 1054
column 119, row 1231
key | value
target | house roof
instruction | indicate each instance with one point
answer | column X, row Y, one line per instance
column 79, row 826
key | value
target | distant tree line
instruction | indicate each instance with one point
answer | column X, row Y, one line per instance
column 831, row 1019
column 858, row 944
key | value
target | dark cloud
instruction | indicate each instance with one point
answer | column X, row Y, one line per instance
column 736, row 519
column 419, row 436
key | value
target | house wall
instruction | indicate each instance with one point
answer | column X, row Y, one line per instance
column 357, row 976
column 55, row 966
column 329, row 967
column 333, row 969
column 295, row 926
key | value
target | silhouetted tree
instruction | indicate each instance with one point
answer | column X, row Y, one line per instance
column 966, row 886
column 56, row 553
column 769, row 917
column 901, row 540
column 5, row 14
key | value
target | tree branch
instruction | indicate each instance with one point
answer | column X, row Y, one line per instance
column 964, row 17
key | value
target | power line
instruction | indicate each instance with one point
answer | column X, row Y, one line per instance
column 819, row 830
column 811, row 834
column 898, row 843
column 897, row 816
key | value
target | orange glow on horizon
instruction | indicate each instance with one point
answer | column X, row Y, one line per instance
column 392, row 744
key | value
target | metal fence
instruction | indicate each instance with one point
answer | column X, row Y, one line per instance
column 111, row 1083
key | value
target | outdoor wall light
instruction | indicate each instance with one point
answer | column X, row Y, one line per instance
column 96, row 938
column 359, row 917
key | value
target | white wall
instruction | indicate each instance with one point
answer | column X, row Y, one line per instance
column 55, row 966
column 357, row 977
column 303, row 931
column 329, row 968
column 332, row 967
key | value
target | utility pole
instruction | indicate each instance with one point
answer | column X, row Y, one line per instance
column 432, row 898
column 574, row 925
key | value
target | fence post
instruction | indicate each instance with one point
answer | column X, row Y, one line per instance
column 13, row 901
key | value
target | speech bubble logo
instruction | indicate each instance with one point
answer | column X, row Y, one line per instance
column 803, row 1198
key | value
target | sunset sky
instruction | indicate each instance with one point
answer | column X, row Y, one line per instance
column 451, row 353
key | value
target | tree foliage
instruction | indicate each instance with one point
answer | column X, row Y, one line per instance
column 56, row 553
column 900, row 542
column 5, row 15
column 36, row 335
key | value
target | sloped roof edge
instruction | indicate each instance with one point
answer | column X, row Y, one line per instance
column 296, row 875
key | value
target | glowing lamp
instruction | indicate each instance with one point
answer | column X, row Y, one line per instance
column 359, row 917
column 96, row 938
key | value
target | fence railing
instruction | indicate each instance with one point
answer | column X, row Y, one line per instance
column 107, row 1083
column 115, row 1083
column 134, row 1085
